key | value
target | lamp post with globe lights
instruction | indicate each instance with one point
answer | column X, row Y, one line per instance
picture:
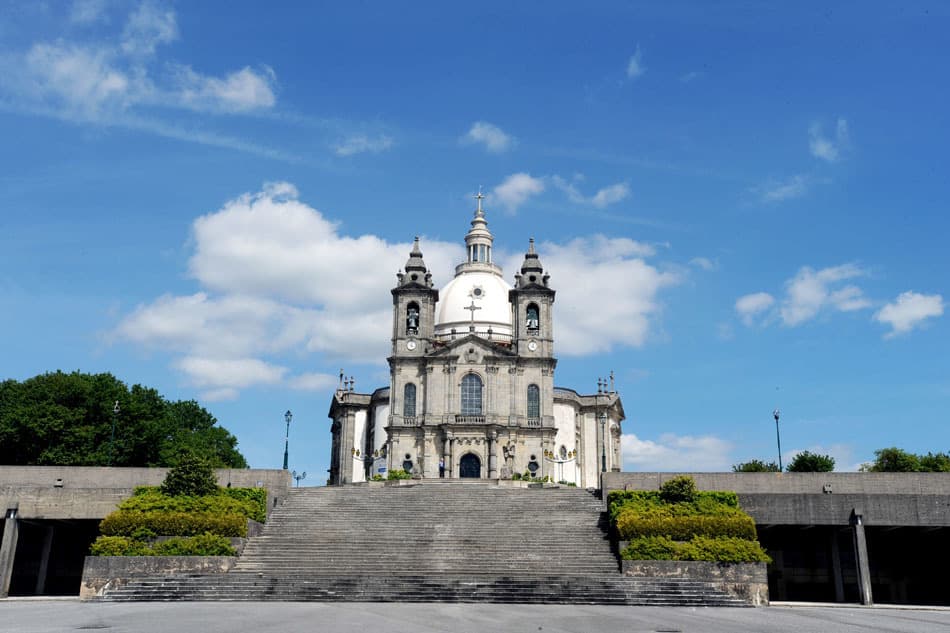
column 778, row 439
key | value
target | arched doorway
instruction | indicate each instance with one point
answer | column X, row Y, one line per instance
column 470, row 466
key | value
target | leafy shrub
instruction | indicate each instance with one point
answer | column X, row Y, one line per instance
column 118, row 546
column 631, row 525
column 248, row 502
column 206, row 544
column 516, row 477
column 376, row 477
column 569, row 484
column 398, row 473
column 125, row 523
column 192, row 476
column 722, row 503
column 201, row 545
column 725, row 550
column 680, row 489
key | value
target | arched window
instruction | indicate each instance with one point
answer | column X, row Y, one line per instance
column 471, row 395
column 412, row 318
column 409, row 401
column 532, row 322
column 534, row 401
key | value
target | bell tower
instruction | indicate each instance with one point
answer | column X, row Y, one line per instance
column 414, row 301
column 532, row 303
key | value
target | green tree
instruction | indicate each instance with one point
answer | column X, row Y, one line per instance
column 935, row 463
column 191, row 476
column 66, row 419
column 678, row 489
column 894, row 460
column 808, row 462
column 755, row 466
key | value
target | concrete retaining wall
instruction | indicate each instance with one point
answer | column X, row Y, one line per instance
column 747, row 581
column 81, row 492
column 108, row 572
column 793, row 483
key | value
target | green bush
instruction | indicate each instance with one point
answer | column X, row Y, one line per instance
column 516, row 477
column 721, row 503
column 201, row 545
column 631, row 525
column 681, row 489
column 398, row 473
column 192, row 476
column 700, row 548
column 118, row 546
column 248, row 502
column 125, row 523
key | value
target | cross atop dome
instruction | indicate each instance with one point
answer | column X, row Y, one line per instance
column 479, row 197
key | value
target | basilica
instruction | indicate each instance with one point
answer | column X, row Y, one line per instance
column 471, row 390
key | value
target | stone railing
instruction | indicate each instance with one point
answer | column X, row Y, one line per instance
column 534, row 423
column 410, row 420
column 470, row 419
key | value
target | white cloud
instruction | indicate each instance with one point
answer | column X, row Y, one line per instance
column 690, row 76
column 313, row 382
column 88, row 11
column 705, row 263
column 671, row 453
column 119, row 80
column 82, row 81
column 779, row 191
column 811, row 291
column 603, row 198
column 361, row 143
column 750, row 306
column 610, row 195
column 492, row 137
column 240, row 91
column 585, row 271
column 909, row 311
column 635, row 67
column 219, row 373
column 147, row 27
column 516, row 189
column 827, row 149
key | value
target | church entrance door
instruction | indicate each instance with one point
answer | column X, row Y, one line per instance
column 470, row 466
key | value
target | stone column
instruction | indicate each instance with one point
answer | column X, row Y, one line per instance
column 861, row 557
column 492, row 459
column 8, row 550
column 447, row 455
column 450, row 466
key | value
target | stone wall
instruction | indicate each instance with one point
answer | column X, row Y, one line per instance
column 108, row 572
column 81, row 492
column 792, row 483
column 747, row 581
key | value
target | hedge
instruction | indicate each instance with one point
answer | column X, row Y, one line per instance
column 248, row 502
column 200, row 545
column 699, row 548
column 631, row 525
column 648, row 502
column 129, row 523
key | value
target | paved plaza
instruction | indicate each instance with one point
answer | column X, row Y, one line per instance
column 57, row 616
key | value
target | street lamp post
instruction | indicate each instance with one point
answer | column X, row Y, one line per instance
column 115, row 414
column 603, row 441
column 288, row 417
column 778, row 439
column 302, row 475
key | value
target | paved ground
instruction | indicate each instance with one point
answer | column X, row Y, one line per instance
column 48, row 616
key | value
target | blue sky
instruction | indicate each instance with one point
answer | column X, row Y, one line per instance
column 741, row 207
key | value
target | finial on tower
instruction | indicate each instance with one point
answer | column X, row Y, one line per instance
column 531, row 246
column 479, row 197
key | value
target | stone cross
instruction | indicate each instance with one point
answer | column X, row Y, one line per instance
column 472, row 308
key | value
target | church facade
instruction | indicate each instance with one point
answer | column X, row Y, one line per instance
column 471, row 390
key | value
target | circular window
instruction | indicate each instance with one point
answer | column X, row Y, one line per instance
column 477, row 292
column 533, row 467
column 407, row 466
column 533, row 458
column 414, row 276
column 408, row 456
column 532, row 278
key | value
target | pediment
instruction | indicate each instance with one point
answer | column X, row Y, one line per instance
column 460, row 347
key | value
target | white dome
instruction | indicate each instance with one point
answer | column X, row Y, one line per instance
column 488, row 291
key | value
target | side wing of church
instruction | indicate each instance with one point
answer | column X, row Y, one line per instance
column 472, row 384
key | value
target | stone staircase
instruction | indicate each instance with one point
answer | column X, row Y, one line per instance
column 431, row 542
